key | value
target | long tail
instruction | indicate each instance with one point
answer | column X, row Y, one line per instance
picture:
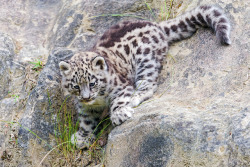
column 203, row 16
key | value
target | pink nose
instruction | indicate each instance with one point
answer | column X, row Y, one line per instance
column 85, row 95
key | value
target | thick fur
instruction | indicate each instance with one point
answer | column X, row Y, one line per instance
column 122, row 69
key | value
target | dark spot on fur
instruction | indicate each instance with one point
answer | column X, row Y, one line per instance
column 162, row 36
column 164, row 49
column 120, row 120
column 145, row 40
column 201, row 19
column 104, row 80
column 138, row 51
column 104, row 36
column 150, row 74
column 127, row 95
column 204, row 7
column 139, row 77
column 167, row 31
column 146, row 51
column 119, row 103
column 122, row 79
column 138, row 61
column 119, row 46
column 158, row 52
column 104, row 54
column 145, row 61
column 174, row 28
column 135, row 44
column 140, row 71
column 222, row 20
column 149, row 66
column 121, row 94
column 115, row 108
column 190, row 23
column 155, row 39
column 126, row 48
column 216, row 13
column 130, row 37
column 221, row 27
column 209, row 21
column 142, row 65
column 115, row 83
column 194, row 21
column 183, row 26
column 114, row 35
column 121, row 55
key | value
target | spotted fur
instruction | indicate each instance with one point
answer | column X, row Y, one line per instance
column 122, row 69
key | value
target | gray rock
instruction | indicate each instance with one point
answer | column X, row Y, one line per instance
column 6, row 59
column 44, row 101
column 81, row 23
column 203, row 118
column 7, row 67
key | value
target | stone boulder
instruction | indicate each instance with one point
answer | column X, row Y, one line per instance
column 200, row 115
column 7, row 48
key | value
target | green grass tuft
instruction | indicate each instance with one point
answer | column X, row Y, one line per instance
column 37, row 65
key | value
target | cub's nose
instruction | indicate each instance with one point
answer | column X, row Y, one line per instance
column 83, row 98
column 86, row 99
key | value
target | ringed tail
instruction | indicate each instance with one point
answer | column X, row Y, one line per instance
column 186, row 25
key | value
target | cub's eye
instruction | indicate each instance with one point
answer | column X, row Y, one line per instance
column 76, row 87
column 92, row 84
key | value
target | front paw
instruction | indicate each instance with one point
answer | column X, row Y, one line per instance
column 135, row 101
column 121, row 115
column 80, row 141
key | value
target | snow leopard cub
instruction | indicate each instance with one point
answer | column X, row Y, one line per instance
column 121, row 71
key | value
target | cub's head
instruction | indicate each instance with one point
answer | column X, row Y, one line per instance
column 84, row 76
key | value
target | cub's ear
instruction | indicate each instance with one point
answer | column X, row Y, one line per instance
column 98, row 63
column 64, row 67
